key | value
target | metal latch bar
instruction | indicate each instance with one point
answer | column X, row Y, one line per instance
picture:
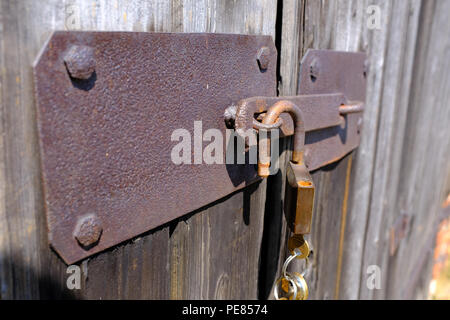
column 323, row 111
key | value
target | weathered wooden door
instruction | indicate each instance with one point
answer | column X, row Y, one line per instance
column 234, row 247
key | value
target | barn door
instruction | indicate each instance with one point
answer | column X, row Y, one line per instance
column 234, row 247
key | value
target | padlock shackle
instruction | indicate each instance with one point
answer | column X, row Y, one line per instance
column 299, row 127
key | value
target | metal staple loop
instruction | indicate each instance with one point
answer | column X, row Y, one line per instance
column 259, row 125
column 271, row 117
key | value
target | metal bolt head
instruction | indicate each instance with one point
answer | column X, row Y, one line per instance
column 263, row 58
column 314, row 69
column 80, row 62
column 359, row 124
column 366, row 68
column 88, row 230
column 230, row 116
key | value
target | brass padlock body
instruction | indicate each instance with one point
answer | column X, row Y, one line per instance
column 299, row 198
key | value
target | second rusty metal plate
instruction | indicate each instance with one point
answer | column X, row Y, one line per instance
column 108, row 103
column 327, row 80
column 332, row 72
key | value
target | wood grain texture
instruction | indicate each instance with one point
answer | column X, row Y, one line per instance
column 388, row 161
column 220, row 262
column 188, row 259
column 425, row 167
column 234, row 247
column 374, row 43
column 397, row 74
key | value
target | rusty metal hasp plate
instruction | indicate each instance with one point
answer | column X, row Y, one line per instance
column 108, row 103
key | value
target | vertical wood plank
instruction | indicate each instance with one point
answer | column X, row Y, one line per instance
column 215, row 253
column 21, row 252
column 394, row 102
column 378, row 173
column 425, row 169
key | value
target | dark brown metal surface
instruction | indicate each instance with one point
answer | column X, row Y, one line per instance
column 106, row 140
column 328, row 80
column 336, row 72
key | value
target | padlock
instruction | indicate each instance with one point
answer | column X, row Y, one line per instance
column 299, row 198
column 300, row 186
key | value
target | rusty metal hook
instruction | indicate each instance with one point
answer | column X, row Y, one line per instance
column 299, row 134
